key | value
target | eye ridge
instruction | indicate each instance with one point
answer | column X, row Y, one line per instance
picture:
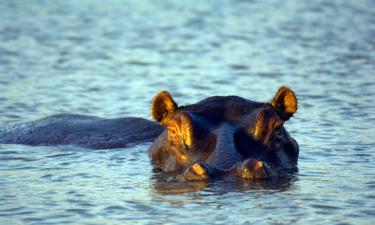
column 172, row 130
column 277, row 129
column 177, row 139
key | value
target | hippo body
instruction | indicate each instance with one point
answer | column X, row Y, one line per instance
column 86, row 131
column 221, row 136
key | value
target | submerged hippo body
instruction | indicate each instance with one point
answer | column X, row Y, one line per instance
column 85, row 131
column 217, row 137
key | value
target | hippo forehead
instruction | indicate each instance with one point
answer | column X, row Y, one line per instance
column 220, row 109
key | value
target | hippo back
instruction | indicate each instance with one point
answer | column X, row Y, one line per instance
column 85, row 131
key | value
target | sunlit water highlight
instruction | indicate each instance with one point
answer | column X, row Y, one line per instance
column 108, row 58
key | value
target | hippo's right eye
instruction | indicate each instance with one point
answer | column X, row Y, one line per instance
column 277, row 129
column 180, row 129
column 172, row 136
column 267, row 123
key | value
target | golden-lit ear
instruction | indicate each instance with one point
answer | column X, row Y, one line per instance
column 285, row 103
column 180, row 128
column 162, row 107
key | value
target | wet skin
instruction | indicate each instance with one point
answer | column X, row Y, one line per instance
column 225, row 136
column 218, row 137
column 85, row 131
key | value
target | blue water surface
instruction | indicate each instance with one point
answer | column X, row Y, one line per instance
column 109, row 58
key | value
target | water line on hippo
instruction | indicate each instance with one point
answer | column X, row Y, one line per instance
column 220, row 135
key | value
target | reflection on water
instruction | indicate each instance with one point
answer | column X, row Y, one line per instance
column 220, row 187
column 108, row 58
column 162, row 184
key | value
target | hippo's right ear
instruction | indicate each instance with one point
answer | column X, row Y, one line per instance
column 162, row 107
column 285, row 103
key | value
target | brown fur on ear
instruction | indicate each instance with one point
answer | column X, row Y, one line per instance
column 162, row 107
column 285, row 103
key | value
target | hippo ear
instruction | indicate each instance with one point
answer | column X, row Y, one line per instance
column 285, row 103
column 162, row 107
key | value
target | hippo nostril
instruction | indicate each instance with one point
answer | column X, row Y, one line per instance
column 198, row 169
column 257, row 165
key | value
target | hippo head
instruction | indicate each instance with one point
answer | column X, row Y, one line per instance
column 224, row 135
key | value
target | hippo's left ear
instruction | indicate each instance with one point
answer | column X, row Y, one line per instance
column 162, row 107
column 285, row 103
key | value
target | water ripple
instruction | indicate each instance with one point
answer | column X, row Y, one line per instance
column 109, row 59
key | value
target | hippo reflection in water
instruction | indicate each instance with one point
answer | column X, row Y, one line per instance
column 218, row 137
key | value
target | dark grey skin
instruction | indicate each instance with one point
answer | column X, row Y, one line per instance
column 225, row 136
column 85, row 131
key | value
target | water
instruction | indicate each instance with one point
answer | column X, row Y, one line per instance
column 109, row 58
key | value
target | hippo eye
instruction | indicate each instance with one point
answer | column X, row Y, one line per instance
column 173, row 136
column 267, row 124
column 277, row 124
column 172, row 131
column 277, row 129
column 180, row 129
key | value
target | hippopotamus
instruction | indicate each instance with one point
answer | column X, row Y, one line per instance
column 221, row 136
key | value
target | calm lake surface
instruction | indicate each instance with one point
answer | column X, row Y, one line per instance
column 109, row 58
